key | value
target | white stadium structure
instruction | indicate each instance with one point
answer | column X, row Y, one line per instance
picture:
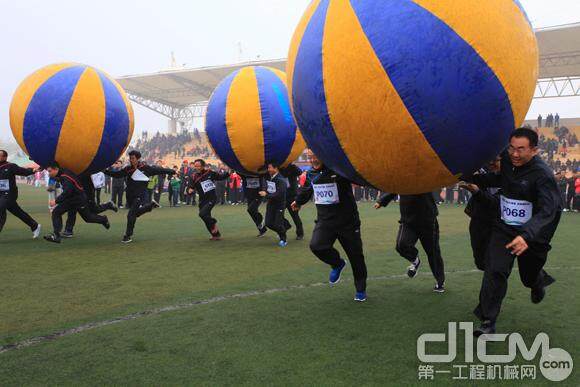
column 182, row 94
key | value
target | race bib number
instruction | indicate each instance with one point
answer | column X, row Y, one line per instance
column 207, row 186
column 326, row 194
column 4, row 185
column 139, row 176
column 515, row 212
column 271, row 187
column 98, row 180
column 253, row 182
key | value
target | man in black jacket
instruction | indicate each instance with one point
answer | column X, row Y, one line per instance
column 252, row 185
column 292, row 173
column 203, row 181
column 72, row 198
column 117, row 185
column 137, row 174
column 184, row 172
column 93, row 205
column 418, row 223
column 276, row 194
column 530, row 210
column 9, row 193
column 337, row 218
column 158, row 191
column 482, row 209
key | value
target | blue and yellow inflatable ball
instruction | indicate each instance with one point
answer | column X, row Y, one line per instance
column 407, row 95
column 249, row 121
column 73, row 114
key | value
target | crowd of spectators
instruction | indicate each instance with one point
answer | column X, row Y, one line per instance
column 560, row 145
column 179, row 145
column 551, row 121
column 161, row 145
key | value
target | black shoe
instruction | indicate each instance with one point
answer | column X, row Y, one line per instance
column 111, row 206
column 538, row 294
column 299, row 237
column 67, row 234
column 413, row 269
column 486, row 328
column 154, row 204
column 107, row 225
column 52, row 238
column 439, row 288
column 262, row 232
column 216, row 236
column 127, row 239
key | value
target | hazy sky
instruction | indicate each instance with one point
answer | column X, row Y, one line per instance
column 125, row 37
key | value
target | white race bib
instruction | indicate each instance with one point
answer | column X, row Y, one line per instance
column 515, row 212
column 326, row 194
column 4, row 185
column 253, row 182
column 98, row 180
column 271, row 187
column 139, row 176
column 207, row 185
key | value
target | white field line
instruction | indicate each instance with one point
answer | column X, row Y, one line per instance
column 152, row 312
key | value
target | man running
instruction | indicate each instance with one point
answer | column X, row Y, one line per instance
column 418, row 223
column 96, row 208
column 337, row 218
column 530, row 210
column 72, row 198
column 481, row 209
column 203, row 181
column 9, row 193
column 292, row 173
column 137, row 174
column 252, row 185
column 276, row 195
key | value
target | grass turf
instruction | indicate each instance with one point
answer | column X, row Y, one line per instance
column 314, row 335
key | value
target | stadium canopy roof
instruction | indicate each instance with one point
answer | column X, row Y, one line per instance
column 559, row 51
column 183, row 93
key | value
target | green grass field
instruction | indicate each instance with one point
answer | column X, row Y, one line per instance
column 285, row 327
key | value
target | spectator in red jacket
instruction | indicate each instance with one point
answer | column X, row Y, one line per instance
column 235, row 184
column 577, row 196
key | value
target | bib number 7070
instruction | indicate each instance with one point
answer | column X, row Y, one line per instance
column 326, row 194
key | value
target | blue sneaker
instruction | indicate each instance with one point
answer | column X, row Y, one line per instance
column 360, row 296
column 282, row 243
column 335, row 273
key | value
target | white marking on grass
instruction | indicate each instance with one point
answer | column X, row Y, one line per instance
column 153, row 312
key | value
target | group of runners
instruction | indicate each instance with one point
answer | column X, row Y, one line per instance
column 515, row 209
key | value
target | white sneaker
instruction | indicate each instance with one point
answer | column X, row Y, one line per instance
column 36, row 233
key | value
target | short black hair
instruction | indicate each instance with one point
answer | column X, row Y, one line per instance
column 201, row 161
column 53, row 165
column 275, row 165
column 528, row 133
column 135, row 153
column 5, row 153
